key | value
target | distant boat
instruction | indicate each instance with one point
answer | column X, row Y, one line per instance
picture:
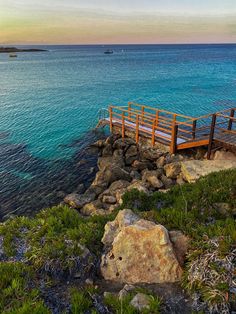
column 108, row 52
column 12, row 55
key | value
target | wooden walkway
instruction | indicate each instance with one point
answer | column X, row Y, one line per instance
column 174, row 130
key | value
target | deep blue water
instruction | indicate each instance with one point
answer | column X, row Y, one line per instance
column 49, row 100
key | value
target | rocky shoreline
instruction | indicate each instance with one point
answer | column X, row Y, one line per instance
column 123, row 165
column 132, row 242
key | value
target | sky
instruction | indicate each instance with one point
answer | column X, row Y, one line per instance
column 117, row 21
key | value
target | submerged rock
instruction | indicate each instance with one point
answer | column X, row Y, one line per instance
column 138, row 251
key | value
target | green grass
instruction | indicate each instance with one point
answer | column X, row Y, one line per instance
column 17, row 295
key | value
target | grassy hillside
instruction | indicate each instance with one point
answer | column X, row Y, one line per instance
column 42, row 252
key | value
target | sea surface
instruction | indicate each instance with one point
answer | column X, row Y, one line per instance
column 49, row 103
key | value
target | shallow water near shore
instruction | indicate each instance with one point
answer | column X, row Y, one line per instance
column 49, row 103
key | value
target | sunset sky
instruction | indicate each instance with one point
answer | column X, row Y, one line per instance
column 117, row 21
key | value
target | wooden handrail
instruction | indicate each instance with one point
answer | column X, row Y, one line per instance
column 164, row 126
column 161, row 110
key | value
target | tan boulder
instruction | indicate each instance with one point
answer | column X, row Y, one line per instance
column 194, row 169
column 223, row 155
column 138, row 251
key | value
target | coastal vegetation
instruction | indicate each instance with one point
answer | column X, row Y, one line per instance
column 60, row 245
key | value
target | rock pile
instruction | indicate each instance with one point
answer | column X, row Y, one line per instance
column 123, row 166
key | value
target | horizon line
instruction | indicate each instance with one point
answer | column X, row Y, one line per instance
column 117, row 44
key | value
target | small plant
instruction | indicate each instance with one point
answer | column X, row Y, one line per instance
column 17, row 294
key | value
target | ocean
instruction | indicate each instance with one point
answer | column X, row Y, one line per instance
column 49, row 103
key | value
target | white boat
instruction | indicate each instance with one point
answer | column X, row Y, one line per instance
column 12, row 55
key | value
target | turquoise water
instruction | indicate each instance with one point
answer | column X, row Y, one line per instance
column 49, row 100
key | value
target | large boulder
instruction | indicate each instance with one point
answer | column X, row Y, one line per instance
column 194, row 169
column 138, row 251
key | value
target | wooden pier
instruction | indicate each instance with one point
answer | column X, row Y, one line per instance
column 174, row 130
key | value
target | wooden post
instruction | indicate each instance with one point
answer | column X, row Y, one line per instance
column 137, row 128
column 173, row 143
column 111, row 114
column 123, row 124
column 211, row 136
column 153, row 132
column 194, row 129
column 231, row 120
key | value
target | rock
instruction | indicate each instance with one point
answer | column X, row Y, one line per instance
column 180, row 245
column 138, row 185
column 168, row 183
column 117, row 185
column 150, row 153
column 124, row 218
column 78, row 200
column 118, row 153
column 141, row 302
column 223, row 155
column 108, row 161
column 180, row 179
column 112, row 138
column 123, row 143
column 127, row 289
column 89, row 281
column 131, row 154
column 110, row 174
column 90, row 208
column 223, row 208
column 107, row 151
column 135, row 175
column 131, row 151
column 161, row 162
column 172, row 170
column 99, row 144
column 138, row 251
column 109, row 199
column 142, row 165
column 194, row 169
column 119, row 195
column 152, row 177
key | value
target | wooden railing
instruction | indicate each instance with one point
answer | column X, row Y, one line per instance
column 175, row 130
column 223, row 129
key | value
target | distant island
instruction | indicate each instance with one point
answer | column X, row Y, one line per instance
column 14, row 49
